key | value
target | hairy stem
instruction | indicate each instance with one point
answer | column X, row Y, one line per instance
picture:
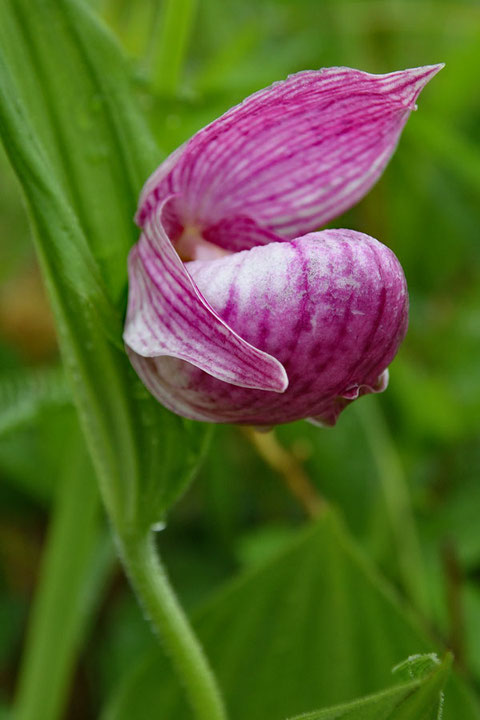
column 149, row 580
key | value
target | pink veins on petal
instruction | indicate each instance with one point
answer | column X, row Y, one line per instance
column 238, row 311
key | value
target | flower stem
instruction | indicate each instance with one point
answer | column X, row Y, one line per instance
column 149, row 580
column 289, row 468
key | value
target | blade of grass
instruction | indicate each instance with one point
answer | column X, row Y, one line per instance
column 73, row 574
column 175, row 25
column 397, row 502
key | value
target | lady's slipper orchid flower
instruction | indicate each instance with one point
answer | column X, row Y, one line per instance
column 238, row 311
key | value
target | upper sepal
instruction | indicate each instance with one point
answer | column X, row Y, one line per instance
column 292, row 156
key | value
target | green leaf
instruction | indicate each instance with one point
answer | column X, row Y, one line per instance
column 80, row 149
column 421, row 700
column 314, row 627
column 73, row 83
column 427, row 702
column 76, row 564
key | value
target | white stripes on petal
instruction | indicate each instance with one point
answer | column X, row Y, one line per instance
column 318, row 140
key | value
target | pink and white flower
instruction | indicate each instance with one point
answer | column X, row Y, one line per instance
column 238, row 310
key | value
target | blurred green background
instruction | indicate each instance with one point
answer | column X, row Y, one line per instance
column 403, row 468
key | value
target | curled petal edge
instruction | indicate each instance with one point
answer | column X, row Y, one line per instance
column 167, row 315
column 330, row 419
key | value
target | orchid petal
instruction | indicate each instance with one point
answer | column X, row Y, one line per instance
column 290, row 157
column 330, row 415
column 168, row 315
column 330, row 306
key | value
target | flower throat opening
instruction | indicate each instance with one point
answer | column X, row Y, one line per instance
column 191, row 245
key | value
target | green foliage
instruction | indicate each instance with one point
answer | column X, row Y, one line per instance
column 81, row 150
column 69, row 589
column 313, row 627
column 422, row 700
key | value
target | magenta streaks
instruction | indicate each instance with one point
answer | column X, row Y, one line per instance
column 238, row 311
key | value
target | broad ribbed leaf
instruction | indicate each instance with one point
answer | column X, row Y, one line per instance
column 312, row 628
column 81, row 151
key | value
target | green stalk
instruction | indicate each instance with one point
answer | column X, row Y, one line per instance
column 397, row 501
column 159, row 602
column 72, row 573
column 176, row 22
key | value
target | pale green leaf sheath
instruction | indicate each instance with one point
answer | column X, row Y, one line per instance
column 80, row 150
